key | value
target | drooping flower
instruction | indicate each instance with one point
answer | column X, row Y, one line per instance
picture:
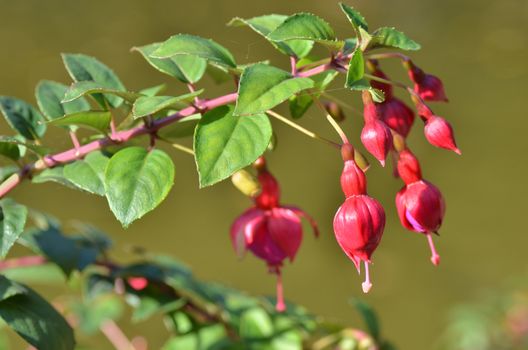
column 392, row 111
column 427, row 86
column 440, row 133
column 420, row 204
column 360, row 220
column 376, row 135
column 271, row 231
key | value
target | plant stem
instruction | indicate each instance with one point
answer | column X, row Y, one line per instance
column 342, row 103
column 25, row 261
column 293, row 63
column 380, row 56
column 116, row 336
column 302, row 130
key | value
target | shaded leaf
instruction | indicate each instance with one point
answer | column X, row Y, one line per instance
column 53, row 175
column 356, row 70
column 369, row 316
column 13, row 218
column 81, row 88
column 18, row 143
column 182, row 128
column 150, row 105
column 262, row 87
column 49, row 96
column 186, row 68
column 185, row 44
column 355, row 18
column 154, row 90
column 225, row 143
column 137, row 181
column 95, row 120
column 22, row 117
column 88, row 173
column 390, row 37
column 255, row 323
column 85, row 68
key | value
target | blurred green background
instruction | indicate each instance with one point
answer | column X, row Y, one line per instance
column 480, row 50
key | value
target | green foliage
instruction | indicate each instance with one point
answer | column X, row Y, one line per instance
column 53, row 175
column 184, row 44
column 136, row 181
column 225, row 143
column 33, row 318
column 94, row 120
column 356, row 71
column 22, row 117
column 302, row 101
column 88, row 173
column 355, row 18
column 12, row 221
column 85, row 68
column 182, row 128
column 49, row 96
column 81, row 88
column 390, row 37
column 150, row 105
column 264, row 25
column 263, row 87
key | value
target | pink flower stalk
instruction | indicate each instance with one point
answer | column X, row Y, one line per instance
column 376, row 135
column 420, row 204
column 440, row 133
column 272, row 232
column 360, row 220
column 427, row 86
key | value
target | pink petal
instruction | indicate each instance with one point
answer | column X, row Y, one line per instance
column 241, row 230
column 301, row 213
column 285, row 230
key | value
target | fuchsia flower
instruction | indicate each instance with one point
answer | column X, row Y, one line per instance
column 420, row 204
column 440, row 133
column 393, row 111
column 376, row 135
column 359, row 222
column 272, row 232
column 428, row 86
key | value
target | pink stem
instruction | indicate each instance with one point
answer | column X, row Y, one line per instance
column 435, row 258
column 293, row 62
column 25, row 261
column 280, row 306
column 75, row 140
column 316, row 70
column 116, row 336
column 367, row 284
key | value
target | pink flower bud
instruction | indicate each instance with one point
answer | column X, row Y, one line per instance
column 397, row 115
column 408, row 167
column 439, row 133
column 377, row 139
column 427, row 86
column 421, row 208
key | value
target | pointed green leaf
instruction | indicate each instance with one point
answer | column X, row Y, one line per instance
column 85, row 68
column 18, row 143
column 225, row 143
column 305, row 26
column 137, row 181
column 88, row 173
column 264, row 25
column 154, row 90
column 300, row 103
column 34, row 319
column 22, row 117
column 53, row 175
column 95, row 120
column 150, row 105
column 186, row 68
column 390, row 37
column 185, row 44
column 7, row 171
column 81, row 88
column 263, row 87
column 369, row 317
column 49, row 96
column 255, row 323
column 356, row 70
column 9, row 149
column 355, row 18
column 182, row 128
column 12, row 221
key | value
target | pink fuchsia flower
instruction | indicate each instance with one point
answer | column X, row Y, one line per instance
column 420, row 204
column 427, row 86
column 376, row 135
column 271, row 231
column 440, row 133
column 360, row 220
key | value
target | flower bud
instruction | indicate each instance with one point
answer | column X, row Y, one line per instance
column 377, row 139
column 428, row 86
column 397, row 115
column 439, row 133
column 408, row 167
column 334, row 110
column 246, row 183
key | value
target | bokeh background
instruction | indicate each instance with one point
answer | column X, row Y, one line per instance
column 478, row 47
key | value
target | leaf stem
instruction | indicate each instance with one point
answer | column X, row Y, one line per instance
column 302, row 130
column 116, row 336
column 379, row 56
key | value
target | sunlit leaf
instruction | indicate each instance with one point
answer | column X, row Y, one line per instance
column 22, row 117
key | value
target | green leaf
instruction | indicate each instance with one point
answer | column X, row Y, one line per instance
column 305, row 26
column 7, row 171
column 355, row 18
column 369, row 316
column 185, row 44
column 88, row 173
column 154, row 90
column 12, row 221
column 182, row 128
column 262, row 87
column 208, row 337
column 53, row 175
column 264, row 25
column 49, row 96
column 150, row 105
column 95, row 120
column 93, row 313
column 356, row 70
column 34, row 319
column 225, row 143
column 22, row 117
column 18, row 142
column 9, row 149
column 136, row 181
column 300, row 103
column 186, row 68
column 81, row 88
column 85, row 68
column 390, row 37
column 255, row 323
